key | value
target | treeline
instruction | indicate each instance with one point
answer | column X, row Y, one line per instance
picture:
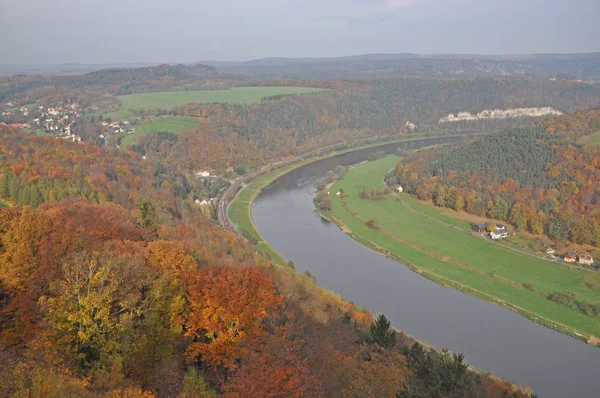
column 536, row 178
column 117, row 299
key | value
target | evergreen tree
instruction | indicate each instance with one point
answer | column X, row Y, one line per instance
column 381, row 332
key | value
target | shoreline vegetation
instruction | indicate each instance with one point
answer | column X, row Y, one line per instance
column 364, row 227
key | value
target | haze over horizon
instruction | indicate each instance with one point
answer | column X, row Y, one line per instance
column 112, row 31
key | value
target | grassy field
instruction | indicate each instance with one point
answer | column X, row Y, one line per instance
column 171, row 99
column 3, row 205
column 172, row 124
column 591, row 139
column 461, row 260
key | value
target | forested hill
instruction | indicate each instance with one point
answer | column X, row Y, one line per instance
column 538, row 178
column 522, row 154
column 110, row 278
column 256, row 133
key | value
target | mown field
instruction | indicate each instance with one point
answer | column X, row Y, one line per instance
column 172, row 124
column 171, row 99
column 454, row 258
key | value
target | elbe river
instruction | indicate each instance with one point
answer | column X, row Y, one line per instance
column 491, row 337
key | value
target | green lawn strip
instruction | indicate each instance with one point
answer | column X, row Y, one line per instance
column 3, row 205
column 502, row 272
column 239, row 211
column 172, row 124
column 171, row 99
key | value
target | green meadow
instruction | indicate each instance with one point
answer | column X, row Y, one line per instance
column 461, row 260
column 172, row 124
column 171, row 99
column 591, row 139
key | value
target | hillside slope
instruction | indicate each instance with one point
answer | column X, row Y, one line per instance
column 538, row 178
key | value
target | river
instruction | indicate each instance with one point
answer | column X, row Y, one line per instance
column 491, row 337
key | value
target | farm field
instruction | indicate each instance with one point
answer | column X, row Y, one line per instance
column 172, row 124
column 171, row 99
column 453, row 258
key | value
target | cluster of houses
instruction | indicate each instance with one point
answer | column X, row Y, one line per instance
column 499, row 231
column 120, row 126
column 58, row 120
column 581, row 258
column 205, row 202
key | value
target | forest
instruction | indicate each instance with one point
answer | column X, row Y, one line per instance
column 275, row 128
column 112, row 284
column 538, row 178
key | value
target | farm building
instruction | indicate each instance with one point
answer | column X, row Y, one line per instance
column 480, row 227
column 570, row 257
column 499, row 233
column 585, row 259
column 550, row 250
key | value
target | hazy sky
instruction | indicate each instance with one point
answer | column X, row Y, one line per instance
column 109, row 31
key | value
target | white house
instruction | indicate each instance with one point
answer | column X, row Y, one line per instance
column 399, row 189
column 499, row 233
column 203, row 173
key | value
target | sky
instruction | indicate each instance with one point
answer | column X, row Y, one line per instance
column 118, row 31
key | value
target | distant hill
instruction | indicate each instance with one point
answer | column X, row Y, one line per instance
column 64, row 69
column 573, row 66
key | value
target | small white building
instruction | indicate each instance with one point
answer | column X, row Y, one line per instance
column 499, row 233
column 399, row 189
column 202, row 173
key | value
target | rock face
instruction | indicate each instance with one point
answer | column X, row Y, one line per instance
column 500, row 114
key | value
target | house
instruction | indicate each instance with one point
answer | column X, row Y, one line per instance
column 16, row 125
column 499, row 233
column 586, row 259
column 203, row 173
column 230, row 169
column 480, row 227
column 570, row 257
column 399, row 189
column 550, row 250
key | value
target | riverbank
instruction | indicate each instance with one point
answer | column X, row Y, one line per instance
column 239, row 209
column 454, row 259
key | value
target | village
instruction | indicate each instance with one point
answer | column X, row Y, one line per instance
column 59, row 121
